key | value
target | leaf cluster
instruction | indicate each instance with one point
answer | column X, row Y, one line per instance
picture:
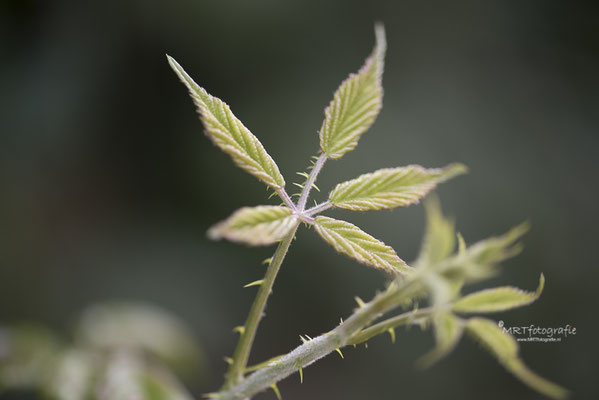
column 354, row 108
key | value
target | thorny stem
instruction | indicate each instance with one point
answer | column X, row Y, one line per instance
column 384, row 326
column 320, row 346
column 242, row 351
column 301, row 204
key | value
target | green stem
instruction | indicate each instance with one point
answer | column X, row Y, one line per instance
column 320, row 346
column 242, row 352
column 387, row 324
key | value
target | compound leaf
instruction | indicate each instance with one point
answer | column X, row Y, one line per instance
column 497, row 299
column 256, row 226
column 355, row 104
column 350, row 240
column 390, row 187
column 228, row 133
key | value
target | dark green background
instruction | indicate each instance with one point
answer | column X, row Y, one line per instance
column 107, row 184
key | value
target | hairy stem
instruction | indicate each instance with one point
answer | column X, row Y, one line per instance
column 286, row 199
column 390, row 323
column 242, row 351
column 320, row 346
column 318, row 208
column 301, row 204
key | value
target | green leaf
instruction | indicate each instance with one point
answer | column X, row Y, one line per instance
column 478, row 261
column 448, row 331
column 355, row 105
column 350, row 240
column 228, row 133
column 256, row 226
column 497, row 299
column 439, row 238
column 501, row 344
column 388, row 188
column 505, row 348
column 536, row 382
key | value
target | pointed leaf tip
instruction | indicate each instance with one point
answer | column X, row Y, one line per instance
column 356, row 104
column 388, row 188
column 229, row 133
column 498, row 299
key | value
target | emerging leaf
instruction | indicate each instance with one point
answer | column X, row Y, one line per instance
column 256, row 226
column 228, row 133
column 448, row 331
column 503, row 346
column 439, row 238
column 390, row 187
column 355, row 105
column 479, row 260
column 348, row 239
column 497, row 299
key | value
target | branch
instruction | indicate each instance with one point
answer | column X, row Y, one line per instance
column 301, row 204
column 242, row 352
column 320, row 346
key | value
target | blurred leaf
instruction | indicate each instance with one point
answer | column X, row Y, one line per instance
column 228, row 133
column 355, row 105
column 448, row 331
column 390, row 187
column 73, row 375
column 27, row 353
column 261, row 225
column 536, row 382
column 352, row 241
column 439, row 238
column 505, row 348
column 500, row 344
column 497, row 299
column 122, row 378
column 478, row 261
column 140, row 327
column 128, row 376
column 159, row 384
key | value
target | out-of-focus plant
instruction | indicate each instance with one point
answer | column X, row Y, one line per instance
column 120, row 351
column 438, row 275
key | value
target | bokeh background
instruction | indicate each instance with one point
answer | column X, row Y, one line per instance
column 108, row 184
